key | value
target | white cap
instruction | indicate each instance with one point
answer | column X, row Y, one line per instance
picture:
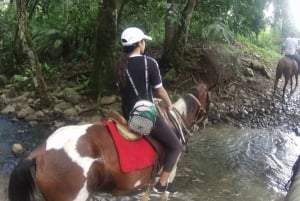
column 133, row 35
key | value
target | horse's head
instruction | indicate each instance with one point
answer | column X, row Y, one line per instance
column 198, row 100
column 193, row 107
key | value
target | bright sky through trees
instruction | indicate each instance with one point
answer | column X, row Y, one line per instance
column 295, row 11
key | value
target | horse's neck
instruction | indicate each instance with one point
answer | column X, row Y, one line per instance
column 181, row 107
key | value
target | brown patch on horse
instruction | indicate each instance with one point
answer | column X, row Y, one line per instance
column 104, row 174
column 62, row 184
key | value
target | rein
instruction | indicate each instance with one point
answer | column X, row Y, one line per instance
column 180, row 124
column 201, row 109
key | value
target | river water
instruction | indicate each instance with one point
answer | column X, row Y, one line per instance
column 223, row 163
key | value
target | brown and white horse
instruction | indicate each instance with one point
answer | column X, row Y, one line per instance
column 75, row 162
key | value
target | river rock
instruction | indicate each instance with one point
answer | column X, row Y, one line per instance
column 62, row 106
column 25, row 111
column 35, row 116
column 3, row 81
column 71, row 95
column 107, row 100
column 17, row 148
column 9, row 109
column 249, row 72
column 70, row 112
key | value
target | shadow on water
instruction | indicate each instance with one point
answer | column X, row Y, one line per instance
column 223, row 163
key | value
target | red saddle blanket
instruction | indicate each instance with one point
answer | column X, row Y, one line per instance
column 133, row 155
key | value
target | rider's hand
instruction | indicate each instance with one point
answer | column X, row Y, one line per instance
column 157, row 100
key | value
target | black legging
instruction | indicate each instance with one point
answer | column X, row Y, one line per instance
column 165, row 135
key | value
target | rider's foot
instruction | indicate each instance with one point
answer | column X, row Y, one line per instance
column 170, row 188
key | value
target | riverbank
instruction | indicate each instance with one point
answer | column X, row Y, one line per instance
column 247, row 103
column 243, row 98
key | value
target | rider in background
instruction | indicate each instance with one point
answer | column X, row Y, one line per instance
column 133, row 43
column 290, row 47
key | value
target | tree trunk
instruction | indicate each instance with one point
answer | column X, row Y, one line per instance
column 176, row 34
column 29, row 50
column 104, row 58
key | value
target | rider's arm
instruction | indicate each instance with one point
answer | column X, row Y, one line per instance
column 163, row 94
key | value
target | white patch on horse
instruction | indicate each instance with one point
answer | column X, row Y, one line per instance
column 83, row 194
column 66, row 138
column 181, row 106
column 138, row 183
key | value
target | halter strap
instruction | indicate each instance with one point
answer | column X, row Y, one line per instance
column 195, row 99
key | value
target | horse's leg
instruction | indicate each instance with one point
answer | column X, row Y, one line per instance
column 146, row 195
column 173, row 172
column 275, row 86
column 164, row 196
column 291, row 84
column 286, row 80
column 296, row 78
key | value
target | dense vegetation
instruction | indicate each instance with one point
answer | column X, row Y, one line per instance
column 40, row 39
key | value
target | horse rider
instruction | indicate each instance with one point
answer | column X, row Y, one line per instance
column 290, row 47
column 133, row 44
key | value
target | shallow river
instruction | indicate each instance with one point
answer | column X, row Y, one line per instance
column 222, row 164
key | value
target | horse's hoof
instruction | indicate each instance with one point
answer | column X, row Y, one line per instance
column 164, row 196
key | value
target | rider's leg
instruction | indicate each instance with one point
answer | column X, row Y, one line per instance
column 165, row 135
column 297, row 58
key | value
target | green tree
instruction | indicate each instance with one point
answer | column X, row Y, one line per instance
column 176, row 32
column 29, row 50
column 104, row 57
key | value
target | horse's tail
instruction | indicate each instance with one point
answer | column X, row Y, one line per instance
column 279, row 69
column 21, row 184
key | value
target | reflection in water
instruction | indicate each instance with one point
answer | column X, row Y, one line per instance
column 222, row 164
column 233, row 164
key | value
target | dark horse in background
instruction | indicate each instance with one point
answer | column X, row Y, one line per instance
column 76, row 162
column 287, row 67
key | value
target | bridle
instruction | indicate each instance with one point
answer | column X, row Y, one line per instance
column 201, row 110
column 180, row 124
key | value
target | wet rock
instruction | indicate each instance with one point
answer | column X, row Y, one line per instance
column 59, row 124
column 17, row 148
column 9, row 109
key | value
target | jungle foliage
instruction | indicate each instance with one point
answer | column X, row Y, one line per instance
column 75, row 31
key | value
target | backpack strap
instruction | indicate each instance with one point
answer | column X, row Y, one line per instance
column 146, row 77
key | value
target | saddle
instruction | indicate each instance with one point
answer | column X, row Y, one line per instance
column 122, row 127
column 121, row 124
